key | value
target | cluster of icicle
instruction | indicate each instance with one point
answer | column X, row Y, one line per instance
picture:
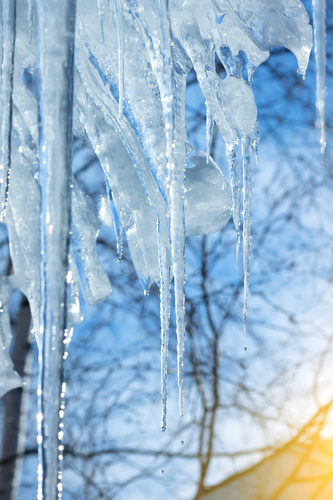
column 114, row 72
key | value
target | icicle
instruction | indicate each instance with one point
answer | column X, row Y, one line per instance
column 135, row 191
column 167, row 103
column 209, row 132
column 85, row 226
column 164, row 261
column 247, row 194
column 175, row 195
column 74, row 309
column 167, row 98
column 7, row 70
column 116, row 222
column 177, row 230
column 255, row 141
column 31, row 7
column 234, row 178
column 209, row 115
column 319, row 24
column 101, row 6
column 177, row 223
column 55, row 55
column 121, row 53
column 146, row 183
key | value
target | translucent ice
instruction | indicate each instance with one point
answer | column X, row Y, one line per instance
column 9, row 379
column 55, row 48
column 207, row 198
column 129, row 101
column 7, row 69
column 272, row 23
column 85, row 226
column 319, row 24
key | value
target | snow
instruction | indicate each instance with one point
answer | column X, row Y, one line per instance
column 126, row 95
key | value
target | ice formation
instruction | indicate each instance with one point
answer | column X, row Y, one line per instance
column 319, row 28
column 115, row 73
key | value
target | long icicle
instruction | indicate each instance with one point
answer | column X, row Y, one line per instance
column 209, row 132
column 164, row 262
column 175, row 197
column 116, row 222
column 247, row 195
column 234, row 178
column 121, row 53
column 7, row 70
column 209, row 116
column 163, row 256
column 319, row 24
column 55, row 23
column 177, row 224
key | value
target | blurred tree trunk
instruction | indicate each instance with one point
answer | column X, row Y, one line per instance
column 13, row 439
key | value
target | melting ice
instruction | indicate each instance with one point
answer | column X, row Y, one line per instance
column 125, row 92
